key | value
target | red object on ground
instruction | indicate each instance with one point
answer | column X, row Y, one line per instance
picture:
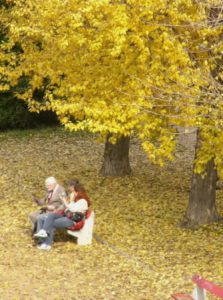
column 208, row 286
column 182, row 296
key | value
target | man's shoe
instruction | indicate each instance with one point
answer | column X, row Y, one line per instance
column 41, row 234
column 44, row 247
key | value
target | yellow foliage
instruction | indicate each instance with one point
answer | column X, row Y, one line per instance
column 117, row 67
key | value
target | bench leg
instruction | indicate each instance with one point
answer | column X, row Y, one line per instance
column 85, row 238
column 199, row 293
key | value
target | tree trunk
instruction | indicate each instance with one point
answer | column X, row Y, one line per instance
column 202, row 207
column 116, row 158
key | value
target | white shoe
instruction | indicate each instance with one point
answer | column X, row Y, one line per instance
column 41, row 234
column 44, row 247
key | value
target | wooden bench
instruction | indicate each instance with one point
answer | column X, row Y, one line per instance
column 85, row 234
column 202, row 287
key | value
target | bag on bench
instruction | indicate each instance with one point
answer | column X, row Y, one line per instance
column 79, row 225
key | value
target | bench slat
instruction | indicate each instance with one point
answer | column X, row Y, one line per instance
column 182, row 296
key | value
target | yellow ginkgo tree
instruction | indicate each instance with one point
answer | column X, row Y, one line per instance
column 109, row 67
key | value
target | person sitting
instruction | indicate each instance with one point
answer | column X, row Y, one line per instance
column 51, row 202
column 76, row 207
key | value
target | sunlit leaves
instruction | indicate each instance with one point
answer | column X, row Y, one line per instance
column 104, row 61
column 117, row 67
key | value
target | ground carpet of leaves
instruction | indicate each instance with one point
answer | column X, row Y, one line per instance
column 139, row 251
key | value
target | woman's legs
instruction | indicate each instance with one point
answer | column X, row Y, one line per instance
column 59, row 222
column 45, row 225
column 49, row 221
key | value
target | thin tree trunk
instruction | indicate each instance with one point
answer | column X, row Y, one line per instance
column 116, row 158
column 202, row 207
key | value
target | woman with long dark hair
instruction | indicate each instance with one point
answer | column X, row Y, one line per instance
column 75, row 208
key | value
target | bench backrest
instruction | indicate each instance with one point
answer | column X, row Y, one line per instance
column 208, row 286
column 88, row 214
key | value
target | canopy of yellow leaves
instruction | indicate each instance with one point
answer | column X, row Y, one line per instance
column 121, row 67
column 115, row 66
column 145, row 255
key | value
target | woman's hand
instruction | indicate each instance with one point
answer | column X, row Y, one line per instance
column 63, row 198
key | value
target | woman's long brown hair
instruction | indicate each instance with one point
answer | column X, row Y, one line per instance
column 80, row 190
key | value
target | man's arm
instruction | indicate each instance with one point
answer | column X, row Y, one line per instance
column 39, row 202
column 42, row 201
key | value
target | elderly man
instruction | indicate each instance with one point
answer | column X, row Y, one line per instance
column 51, row 202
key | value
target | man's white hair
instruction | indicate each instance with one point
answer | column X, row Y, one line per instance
column 50, row 180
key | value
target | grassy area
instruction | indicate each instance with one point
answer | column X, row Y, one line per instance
column 43, row 132
column 139, row 251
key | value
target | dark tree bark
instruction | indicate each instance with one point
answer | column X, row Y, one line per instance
column 116, row 158
column 202, row 206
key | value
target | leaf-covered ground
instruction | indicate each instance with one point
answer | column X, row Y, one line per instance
column 139, row 252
